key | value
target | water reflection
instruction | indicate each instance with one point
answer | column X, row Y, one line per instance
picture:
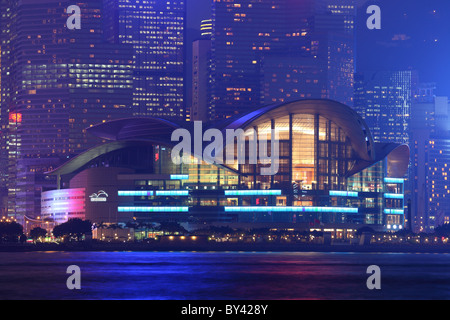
column 231, row 275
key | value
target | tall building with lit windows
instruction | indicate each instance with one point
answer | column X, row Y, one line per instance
column 438, row 183
column 384, row 100
column 56, row 83
column 271, row 51
column 430, row 157
column 156, row 31
column 201, row 74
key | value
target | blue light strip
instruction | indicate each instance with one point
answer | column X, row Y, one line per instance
column 172, row 193
column 344, row 194
column 291, row 209
column 153, row 209
column 179, row 177
column 394, row 211
column 160, row 193
column 394, row 196
column 394, row 180
column 253, row 192
column 136, row 193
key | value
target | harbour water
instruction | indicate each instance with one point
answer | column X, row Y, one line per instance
column 223, row 275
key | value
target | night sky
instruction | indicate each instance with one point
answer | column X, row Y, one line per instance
column 415, row 34
column 198, row 10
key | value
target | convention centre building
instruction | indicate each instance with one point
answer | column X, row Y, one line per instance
column 330, row 172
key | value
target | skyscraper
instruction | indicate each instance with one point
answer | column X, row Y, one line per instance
column 267, row 51
column 56, row 83
column 201, row 74
column 384, row 101
column 156, row 31
column 319, row 63
column 430, row 155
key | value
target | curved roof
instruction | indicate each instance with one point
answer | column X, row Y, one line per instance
column 159, row 131
column 134, row 129
column 343, row 116
column 397, row 159
column 81, row 160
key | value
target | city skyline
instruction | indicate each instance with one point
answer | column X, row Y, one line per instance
column 224, row 149
column 255, row 54
column 404, row 26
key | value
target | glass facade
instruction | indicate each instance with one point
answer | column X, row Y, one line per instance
column 385, row 102
column 60, row 83
column 325, row 175
column 204, row 192
column 315, row 154
column 60, row 205
column 277, row 51
column 156, row 31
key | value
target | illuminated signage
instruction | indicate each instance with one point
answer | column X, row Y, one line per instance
column 15, row 117
column 100, row 196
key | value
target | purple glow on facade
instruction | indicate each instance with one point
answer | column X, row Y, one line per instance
column 62, row 205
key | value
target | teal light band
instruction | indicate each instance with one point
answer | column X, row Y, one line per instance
column 351, row 194
column 136, row 193
column 253, row 192
column 394, row 196
column 153, row 209
column 394, row 211
column 291, row 209
column 180, row 193
column 394, row 180
column 179, row 177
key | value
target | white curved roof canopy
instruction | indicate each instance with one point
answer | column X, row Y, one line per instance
column 135, row 131
column 343, row 116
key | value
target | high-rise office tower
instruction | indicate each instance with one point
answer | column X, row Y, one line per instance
column 277, row 51
column 322, row 66
column 56, row 83
column 344, row 8
column 334, row 29
column 430, row 155
column 201, row 74
column 384, row 101
column 156, row 31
